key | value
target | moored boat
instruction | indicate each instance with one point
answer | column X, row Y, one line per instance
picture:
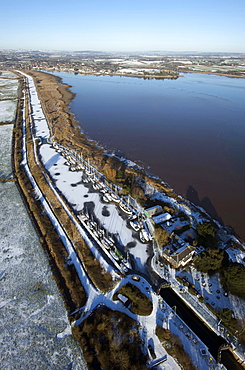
column 125, row 208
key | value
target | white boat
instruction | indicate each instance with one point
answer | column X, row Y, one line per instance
column 83, row 217
column 115, row 198
column 105, row 198
column 110, row 241
column 135, row 225
column 73, row 168
column 132, row 217
column 88, row 170
column 101, row 185
column 145, row 236
column 80, row 166
column 105, row 244
column 125, row 208
column 124, row 268
column 95, row 186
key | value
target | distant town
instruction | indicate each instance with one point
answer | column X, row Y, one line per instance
column 146, row 65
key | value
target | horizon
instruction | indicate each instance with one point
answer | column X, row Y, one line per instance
column 140, row 52
column 214, row 26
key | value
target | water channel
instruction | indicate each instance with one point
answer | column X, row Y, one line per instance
column 209, row 338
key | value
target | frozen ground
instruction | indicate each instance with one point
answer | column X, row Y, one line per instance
column 69, row 183
column 210, row 288
column 34, row 330
column 8, row 96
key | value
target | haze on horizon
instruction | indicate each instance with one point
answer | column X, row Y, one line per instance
column 139, row 25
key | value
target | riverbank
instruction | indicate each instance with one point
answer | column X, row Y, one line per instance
column 213, row 73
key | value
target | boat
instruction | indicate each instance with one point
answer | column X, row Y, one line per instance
column 145, row 236
column 114, row 255
column 135, row 225
column 132, row 217
column 95, row 186
column 109, row 241
column 80, row 166
column 73, row 168
column 115, row 198
column 105, row 198
column 125, row 208
column 105, row 244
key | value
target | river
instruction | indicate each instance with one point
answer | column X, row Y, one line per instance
column 189, row 131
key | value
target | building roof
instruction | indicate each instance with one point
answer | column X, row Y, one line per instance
column 161, row 218
column 153, row 210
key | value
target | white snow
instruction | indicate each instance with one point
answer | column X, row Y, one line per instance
column 7, row 110
column 8, row 96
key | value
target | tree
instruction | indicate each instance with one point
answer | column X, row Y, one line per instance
column 206, row 235
column 233, row 278
column 205, row 229
column 211, row 260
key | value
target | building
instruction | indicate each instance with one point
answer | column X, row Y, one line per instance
column 178, row 253
column 152, row 211
column 180, row 257
column 163, row 217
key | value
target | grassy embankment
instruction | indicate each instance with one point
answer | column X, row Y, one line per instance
column 65, row 275
column 214, row 73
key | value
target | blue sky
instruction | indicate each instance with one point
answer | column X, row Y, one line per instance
column 136, row 25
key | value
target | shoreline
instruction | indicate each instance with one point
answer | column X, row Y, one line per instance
column 133, row 75
column 213, row 73
column 68, row 132
column 157, row 77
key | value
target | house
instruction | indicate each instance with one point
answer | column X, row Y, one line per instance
column 155, row 210
column 180, row 257
column 178, row 252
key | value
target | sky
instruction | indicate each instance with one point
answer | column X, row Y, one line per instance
column 135, row 25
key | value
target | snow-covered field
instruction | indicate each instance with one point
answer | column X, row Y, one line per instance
column 7, row 110
column 34, row 330
column 8, row 96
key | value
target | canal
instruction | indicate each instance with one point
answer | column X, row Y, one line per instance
column 209, row 338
